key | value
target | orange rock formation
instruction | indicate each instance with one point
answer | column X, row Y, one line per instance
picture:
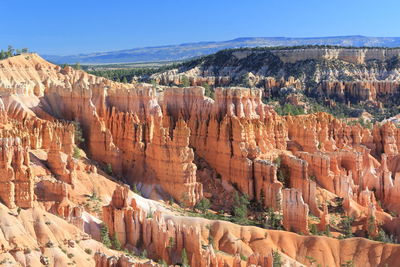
column 167, row 144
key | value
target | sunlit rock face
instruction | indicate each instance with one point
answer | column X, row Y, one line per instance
column 341, row 74
column 179, row 145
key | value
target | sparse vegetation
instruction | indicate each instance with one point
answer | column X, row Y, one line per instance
column 184, row 258
column 313, row 229
column 78, row 134
column 208, row 91
column 239, row 210
column 108, row 169
column 150, row 214
column 77, row 66
column 203, row 205
column 184, row 81
column 289, row 109
column 313, row 178
column 347, row 264
column 273, row 220
column 115, row 242
column 336, row 206
column 276, row 259
column 143, row 254
column 105, row 236
column 311, row 260
column 283, row 175
column 328, row 231
column 371, row 224
column 244, row 80
column 129, row 74
column 93, row 202
column 11, row 52
column 210, row 240
column 346, row 225
column 262, row 57
column 77, row 153
column 184, row 200
column 135, row 190
column 278, row 162
column 243, row 257
column 363, row 123
column 171, row 243
column 385, row 238
column 243, row 211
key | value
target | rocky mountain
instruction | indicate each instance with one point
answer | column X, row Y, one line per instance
column 99, row 173
column 190, row 50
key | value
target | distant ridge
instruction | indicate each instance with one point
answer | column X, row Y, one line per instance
column 190, row 50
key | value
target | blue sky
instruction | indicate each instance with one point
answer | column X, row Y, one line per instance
column 80, row 26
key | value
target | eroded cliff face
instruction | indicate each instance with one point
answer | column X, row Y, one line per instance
column 166, row 237
column 17, row 180
column 41, row 220
column 344, row 74
column 219, row 243
column 230, row 132
column 182, row 145
column 350, row 55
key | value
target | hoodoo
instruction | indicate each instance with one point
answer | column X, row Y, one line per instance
column 101, row 173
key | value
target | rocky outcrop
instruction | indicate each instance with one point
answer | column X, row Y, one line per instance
column 135, row 131
column 61, row 164
column 171, row 144
column 47, row 190
column 136, row 136
column 153, row 141
column 39, row 134
column 295, row 211
column 272, row 84
column 140, row 138
column 161, row 239
column 359, row 90
column 16, row 175
column 229, row 131
column 351, row 55
column 158, row 155
column 385, row 138
column 344, row 74
column 191, row 76
column 268, row 188
column 297, row 176
column 172, row 161
column 54, row 196
column 102, row 260
column 165, row 237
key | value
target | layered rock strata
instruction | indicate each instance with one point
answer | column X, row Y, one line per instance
column 296, row 165
column 16, row 175
column 344, row 74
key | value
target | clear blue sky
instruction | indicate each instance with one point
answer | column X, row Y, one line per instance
column 80, row 26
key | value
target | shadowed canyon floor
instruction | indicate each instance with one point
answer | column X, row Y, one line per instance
column 75, row 149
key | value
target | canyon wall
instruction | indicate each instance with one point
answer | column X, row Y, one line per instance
column 307, row 168
column 351, row 55
column 343, row 74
